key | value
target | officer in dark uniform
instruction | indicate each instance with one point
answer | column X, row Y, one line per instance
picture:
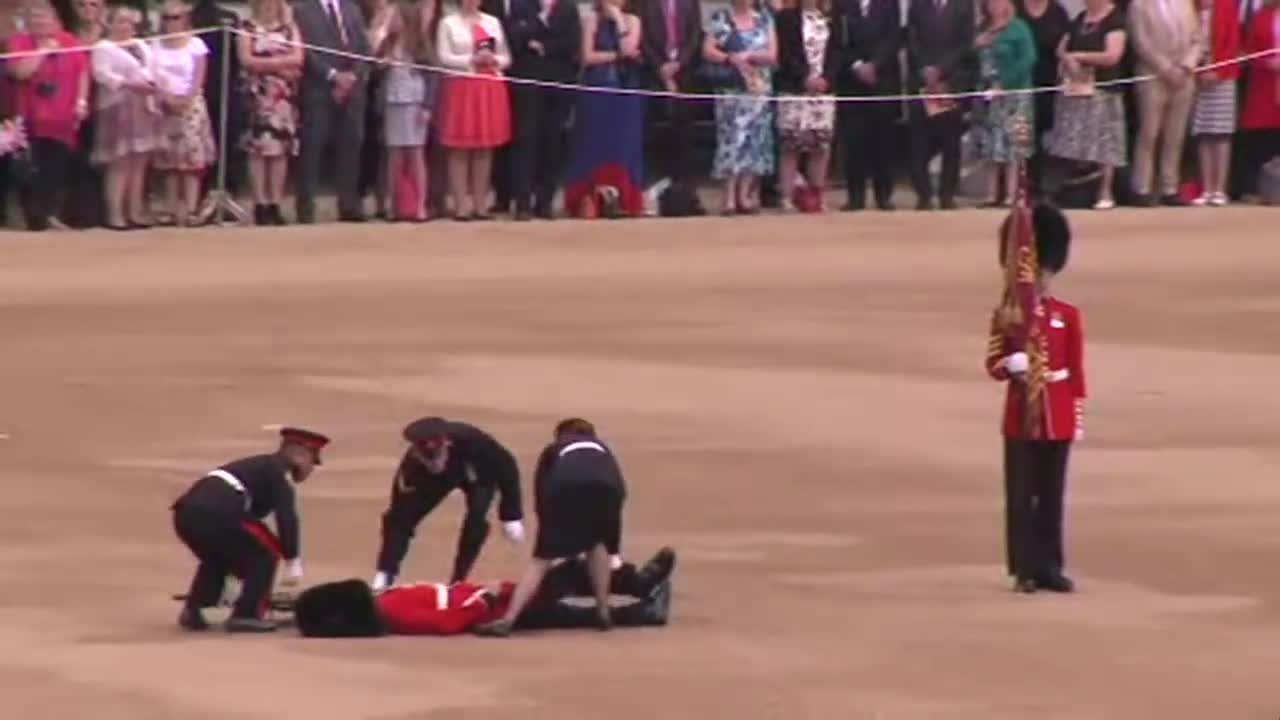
column 579, row 493
column 445, row 455
column 217, row 518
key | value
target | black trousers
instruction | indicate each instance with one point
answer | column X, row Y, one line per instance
column 83, row 205
column 930, row 136
column 336, row 133
column 4, row 191
column 40, row 196
column 1035, row 476
column 572, row 579
column 501, row 171
column 675, row 120
column 1250, row 151
column 866, row 134
column 537, row 155
column 225, row 547
column 400, row 522
column 1043, row 113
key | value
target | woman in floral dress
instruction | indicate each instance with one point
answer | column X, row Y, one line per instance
column 1003, row 125
column 810, row 55
column 271, row 66
column 744, row 38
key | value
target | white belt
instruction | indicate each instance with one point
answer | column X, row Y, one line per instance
column 1053, row 376
column 235, row 484
column 582, row 445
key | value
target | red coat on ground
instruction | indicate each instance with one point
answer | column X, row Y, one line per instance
column 1064, row 388
column 439, row 609
column 1262, row 91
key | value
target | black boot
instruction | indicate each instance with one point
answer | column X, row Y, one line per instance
column 192, row 619
column 274, row 215
column 260, row 215
column 653, row 611
column 657, row 571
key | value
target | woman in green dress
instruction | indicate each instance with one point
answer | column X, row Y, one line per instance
column 1004, row 124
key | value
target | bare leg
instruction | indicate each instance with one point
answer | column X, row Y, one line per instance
column 191, row 192
column 1010, row 182
column 1104, row 189
column 171, row 182
column 526, row 588
column 481, row 166
column 819, row 164
column 390, row 169
column 993, row 184
column 136, row 189
column 116, row 186
column 258, row 179
column 730, row 203
column 418, row 170
column 277, row 176
column 458, row 165
column 1222, row 147
column 598, row 566
column 788, row 168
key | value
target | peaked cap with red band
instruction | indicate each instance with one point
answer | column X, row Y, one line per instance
column 429, row 433
column 309, row 439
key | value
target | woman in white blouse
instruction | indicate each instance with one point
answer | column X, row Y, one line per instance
column 125, row 110
column 476, row 117
column 187, row 150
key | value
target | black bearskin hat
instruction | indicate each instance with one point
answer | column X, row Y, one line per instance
column 1053, row 236
column 345, row 609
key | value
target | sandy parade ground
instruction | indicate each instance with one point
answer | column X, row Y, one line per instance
column 800, row 407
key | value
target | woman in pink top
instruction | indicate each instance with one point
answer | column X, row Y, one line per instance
column 51, row 89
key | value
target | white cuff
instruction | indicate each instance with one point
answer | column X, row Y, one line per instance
column 615, row 562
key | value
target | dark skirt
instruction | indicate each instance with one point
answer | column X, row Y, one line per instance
column 577, row 518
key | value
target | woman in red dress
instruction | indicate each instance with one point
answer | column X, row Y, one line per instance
column 477, row 109
column 1260, row 119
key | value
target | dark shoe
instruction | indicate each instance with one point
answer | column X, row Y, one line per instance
column 1024, row 585
column 1173, row 201
column 948, row 204
column 657, row 609
column 275, row 216
column 886, row 206
column 1056, row 583
column 523, row 216
column 924, row 204
column 192, row 619
column 853, row 206
column 1144, row 200
column 351, row 217
column 657, row 571
column 249, row 625
column 604, row 621
column 497, row 628
column 544, row 213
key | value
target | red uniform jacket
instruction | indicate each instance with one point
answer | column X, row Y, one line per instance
column 1064, row 388
column 439, row 609
column 1262, row 93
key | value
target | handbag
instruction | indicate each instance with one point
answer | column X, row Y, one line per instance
column 724, row 76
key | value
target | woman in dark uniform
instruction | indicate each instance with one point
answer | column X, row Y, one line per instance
column 579, row 495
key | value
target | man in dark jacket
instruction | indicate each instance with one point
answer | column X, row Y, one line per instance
column 872, row 32
column 941, row 59
column 443, row 456
column 217, row 519
column 546, row 39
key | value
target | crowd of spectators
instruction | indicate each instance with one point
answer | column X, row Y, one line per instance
column 421, row 105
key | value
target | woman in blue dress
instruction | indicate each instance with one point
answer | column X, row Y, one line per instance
column 744, row 38
column 606, row 158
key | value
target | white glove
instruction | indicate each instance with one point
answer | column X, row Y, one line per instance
column 615, row 562
column 514, row 530
column 381, row 582
column 230, row 591
column 292, row 572
column 1017, row 363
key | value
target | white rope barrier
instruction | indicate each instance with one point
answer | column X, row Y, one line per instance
column 575, row 87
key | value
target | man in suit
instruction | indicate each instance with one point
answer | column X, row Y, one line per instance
column 872, row 32
column 672, row 47
column 1167, row 44
column 501, row 172
column 332, row 102
column 546, row 41
column 941, row 59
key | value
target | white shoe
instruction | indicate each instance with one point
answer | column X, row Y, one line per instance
column 1218, row 200
column 381, row 582
column 1203, row 200
column 1105, row 204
